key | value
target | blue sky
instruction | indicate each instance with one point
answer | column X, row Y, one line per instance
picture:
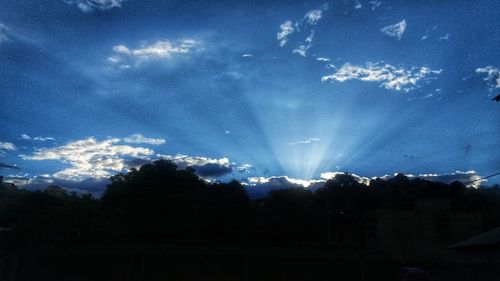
column 254, row 90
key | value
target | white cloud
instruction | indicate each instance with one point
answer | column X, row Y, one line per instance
column 313, row 16
column 138, row 138
column 395, row 30
column 90, row 158
column 310, row 38
column 286, row 29
column 44, row 138
column 492, row 75
column 39, row 138
column 258, row 187
column 247, row 56
column 163, row 49
column 357, row 5
column 244, row 167
column 301, row 50
column 390, row 77
column 310, row 19
column 375, row 4
column 323, row 59
column 188, row 161
column 443, row 38
column 90, row 5
column 7, row 146
column 307, row 141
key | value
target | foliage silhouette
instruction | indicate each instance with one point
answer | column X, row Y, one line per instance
column 160, row 203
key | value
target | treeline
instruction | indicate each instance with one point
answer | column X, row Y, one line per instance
column 160, row 203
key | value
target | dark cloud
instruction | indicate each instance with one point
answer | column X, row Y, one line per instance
column 212, row 170
column 8, row 166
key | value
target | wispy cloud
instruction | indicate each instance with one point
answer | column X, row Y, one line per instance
column 4, row 33
column 323, row 59
column 286, row 29
column 89, row 158
column 310, row 19
column 39, row 138
column 375, row 4
column 163, row 49
column 8, row 166
column 247, row 56
column 444, row 38
column 301, row 50
column 307, row 141
column 395, row 30
column 390, row 77
column 90, row 5
column 313, row 16
column 357, row 5
column 138, row 138
column 7, row 146
column 492, row 75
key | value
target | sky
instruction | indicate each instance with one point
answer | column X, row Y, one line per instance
column 271, row 93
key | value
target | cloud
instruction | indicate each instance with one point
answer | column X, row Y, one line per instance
column 375, row 4
column 469, row 178
column 4, row 33
column 323, row 59
column 313, row 16
column 444, row 38
column 286, row 29
column 492, row 75
column 89, row 158
column 258, row 187
column 310, row 38
column 39, row 138
column 138, row 138
column 204, row 166
column 332, row 175
column 247, row 56
column 390, row 77
column 307, row 141
column 90, row 5
column 357, row 5
column 7, row 146
column 124, row 56
column 395, row 30
column 301, row 50
column 8, row 166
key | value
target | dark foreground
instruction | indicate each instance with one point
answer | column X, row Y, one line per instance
column 164, row 223
column 223, row 262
